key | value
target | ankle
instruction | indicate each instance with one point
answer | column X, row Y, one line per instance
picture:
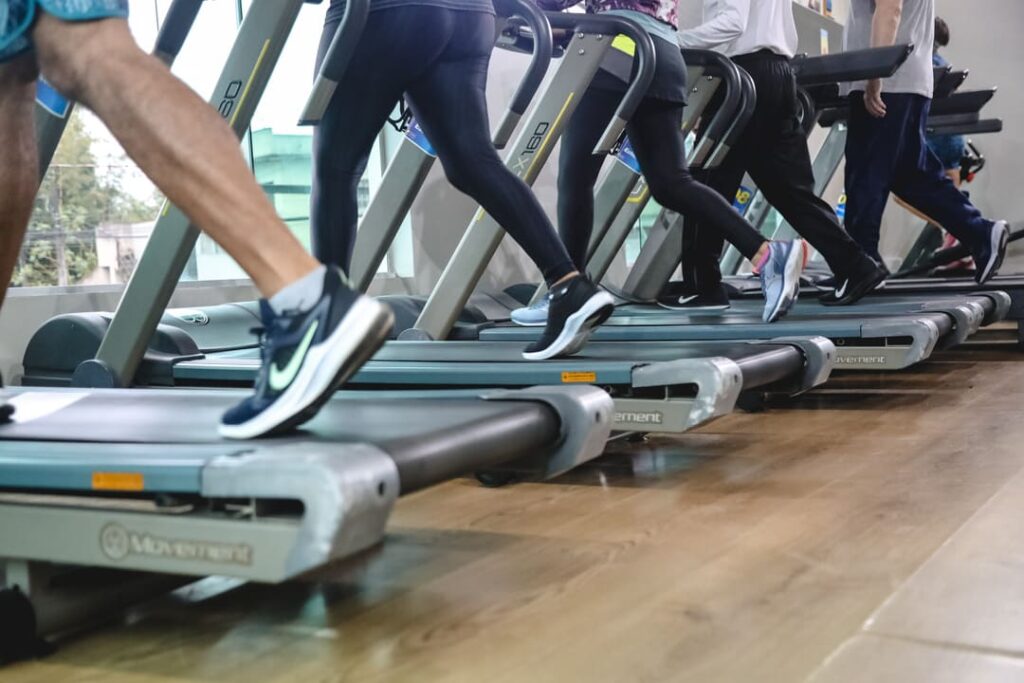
column 562, row 280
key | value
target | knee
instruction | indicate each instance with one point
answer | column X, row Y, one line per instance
column 467, row 169
column 672, row 190
column 71, row 55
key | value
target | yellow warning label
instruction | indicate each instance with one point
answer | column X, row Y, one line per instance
column 624, row 44
column 118, row 481
column 578, row 377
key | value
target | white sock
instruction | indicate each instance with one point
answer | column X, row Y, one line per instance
column 300, row 295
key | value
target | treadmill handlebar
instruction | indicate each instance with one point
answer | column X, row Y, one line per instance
column 718, row 65
column 610, row 25
column 175, row 28
column 855, row 65
column 543, row 51
column 337, row 59
column 749, row 95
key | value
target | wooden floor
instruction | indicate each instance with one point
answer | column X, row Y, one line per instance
column 872, row 531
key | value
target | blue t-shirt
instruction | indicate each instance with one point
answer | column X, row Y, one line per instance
column 949, row 148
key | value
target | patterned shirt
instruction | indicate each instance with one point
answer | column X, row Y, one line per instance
column 666, row 11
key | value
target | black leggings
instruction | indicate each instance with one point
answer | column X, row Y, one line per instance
column 660, row 147
column 438, row 58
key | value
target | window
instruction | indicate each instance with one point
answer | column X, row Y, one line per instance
column 96, row 210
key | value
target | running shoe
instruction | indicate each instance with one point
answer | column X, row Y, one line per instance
column 714, row 300
column 855, row 287
column 306, row 356
column 577, row 307
column 990, row 256
column 534, row 315
column 780, row 278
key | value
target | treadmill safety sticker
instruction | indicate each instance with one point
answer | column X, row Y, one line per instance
column 579, row 377
column 417, row 137
column 627, row 157
column 52, row 101
column 118, row 481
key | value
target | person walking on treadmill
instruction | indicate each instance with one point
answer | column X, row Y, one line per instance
column 760, row 36
column 316, row 331
column 655, row 132
column 436, row 54
column 885, row 146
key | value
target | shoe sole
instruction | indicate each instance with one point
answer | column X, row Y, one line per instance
column 542, row 323
column 578, row 328
column 708, row 307
column 326, row 367
column 999, row 239
column 791, row 276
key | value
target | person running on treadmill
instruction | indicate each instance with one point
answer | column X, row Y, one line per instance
column 949, row 148
column 655, row 132
column 885, row 145
column 436, row 54
column 760, row 36
column 316, row 331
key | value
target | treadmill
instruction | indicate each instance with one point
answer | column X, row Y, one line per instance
column 893, row 336
column 1002, row 298
column 656, row 387
column 110, row 496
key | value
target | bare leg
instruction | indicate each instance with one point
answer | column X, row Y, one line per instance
column 179, row 141
column 18, row 161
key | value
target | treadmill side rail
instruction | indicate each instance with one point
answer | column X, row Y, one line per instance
column 347, row 496
column 924, row 335
column 586, row 415
column 819, row 358
column 719, row 382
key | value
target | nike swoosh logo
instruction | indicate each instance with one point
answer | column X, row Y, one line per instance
column 841, row 292
column 280, row 378
column 683, row 300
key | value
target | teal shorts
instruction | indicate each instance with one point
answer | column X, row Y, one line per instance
column 17, row 16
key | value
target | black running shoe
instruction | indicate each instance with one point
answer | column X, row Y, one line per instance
column 716, row 299
column 306, row 356
column 6, row 409
column 990, row 255
column 855, row 287
column 577, row 307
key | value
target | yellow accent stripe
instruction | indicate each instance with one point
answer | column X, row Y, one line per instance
column 551, row 131
column 636, row 198
column 248, row 84
column 625, row 44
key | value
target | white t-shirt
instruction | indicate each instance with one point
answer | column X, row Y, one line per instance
column 741, row 27
column 917, row 27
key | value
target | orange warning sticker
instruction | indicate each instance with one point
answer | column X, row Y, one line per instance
column 118, row 481
column 578, row 377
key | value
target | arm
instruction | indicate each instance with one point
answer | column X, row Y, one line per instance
column 724, row 22
column 885, row 24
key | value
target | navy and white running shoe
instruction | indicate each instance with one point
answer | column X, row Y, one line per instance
column 780, row 278
column 990, row 255
column 576, row 308
column 306, row 356
column 534, row 315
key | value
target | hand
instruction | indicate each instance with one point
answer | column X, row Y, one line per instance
column 873, row 98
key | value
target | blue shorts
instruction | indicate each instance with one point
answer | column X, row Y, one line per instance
column 17, row 16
